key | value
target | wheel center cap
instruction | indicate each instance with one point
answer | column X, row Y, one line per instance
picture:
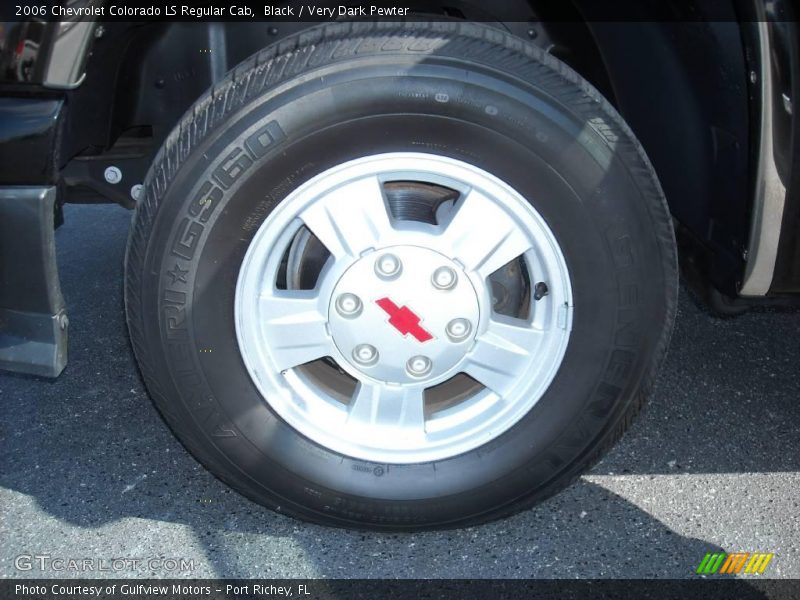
column 403, row 314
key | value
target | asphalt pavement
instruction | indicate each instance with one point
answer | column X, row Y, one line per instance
column 89, row 471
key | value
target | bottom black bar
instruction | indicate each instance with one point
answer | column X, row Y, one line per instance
column 418, row 589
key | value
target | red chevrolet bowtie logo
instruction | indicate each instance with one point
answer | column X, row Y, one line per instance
column 404, row 320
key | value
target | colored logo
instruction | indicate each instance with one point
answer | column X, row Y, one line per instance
column 735, row 562
column 404, row 320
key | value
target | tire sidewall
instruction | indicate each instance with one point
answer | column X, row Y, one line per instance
column 572, row 176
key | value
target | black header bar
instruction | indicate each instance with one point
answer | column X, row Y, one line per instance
column 333, row 10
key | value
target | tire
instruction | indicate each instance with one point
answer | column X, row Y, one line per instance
column 461, row 95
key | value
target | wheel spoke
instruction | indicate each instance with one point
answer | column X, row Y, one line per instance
column 351, row 218
column 296, row 327
column 483, row 236
column 501, row 353
column 396, row 408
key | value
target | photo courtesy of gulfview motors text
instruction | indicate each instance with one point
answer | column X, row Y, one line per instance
column 150, row 590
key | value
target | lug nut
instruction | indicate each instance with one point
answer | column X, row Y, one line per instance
column 419, row 366
column 458, row 329
column 388, row 266
column 444, row 278
column 365, row 354
column 348, row 305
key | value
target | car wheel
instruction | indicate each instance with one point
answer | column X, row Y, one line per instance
column 400, row 276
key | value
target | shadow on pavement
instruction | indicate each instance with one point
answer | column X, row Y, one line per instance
column 90, row 450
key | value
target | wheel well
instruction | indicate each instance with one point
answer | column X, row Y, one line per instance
column 683, row 91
